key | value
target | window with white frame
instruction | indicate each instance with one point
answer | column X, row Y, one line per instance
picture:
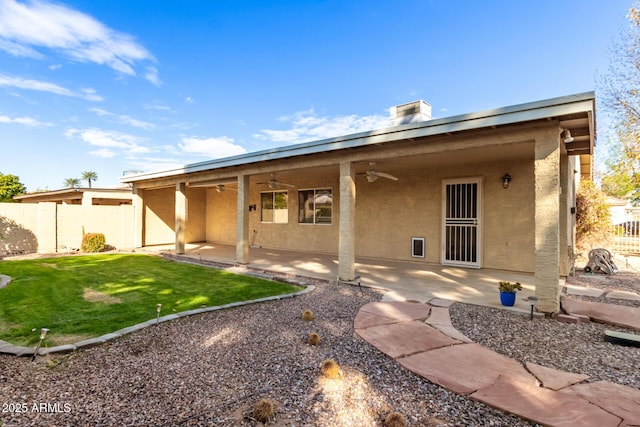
column 274, row 207
column 315, row 206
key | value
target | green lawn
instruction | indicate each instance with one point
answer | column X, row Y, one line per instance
column 79, row 297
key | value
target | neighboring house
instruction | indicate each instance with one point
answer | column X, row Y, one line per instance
column 80, row 196
column 622, row 211
column 493, row 189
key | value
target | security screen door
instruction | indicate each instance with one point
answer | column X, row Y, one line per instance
column 461, row 225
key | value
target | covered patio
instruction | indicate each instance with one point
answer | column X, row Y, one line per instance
column 402, row 280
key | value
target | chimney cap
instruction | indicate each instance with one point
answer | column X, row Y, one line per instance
column 411, row 112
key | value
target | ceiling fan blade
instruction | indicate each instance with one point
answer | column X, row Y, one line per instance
column 386, row 175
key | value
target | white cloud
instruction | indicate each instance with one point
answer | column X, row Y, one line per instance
column 103, row 153
column 24, row 27
column 19, row 50
column 308, row 126
column 188, row 100
column 211, row 147
column 157, row 105
column 112, row 143
column 27, row 121
column 121, row 118
column 39, row 85
column 152, row 76
column 55, row 67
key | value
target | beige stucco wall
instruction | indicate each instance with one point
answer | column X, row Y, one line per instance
column 196, row 215
column 48, row 227
column 159, row 216
column 18, row 228
column 389, row 214
column 220, row 220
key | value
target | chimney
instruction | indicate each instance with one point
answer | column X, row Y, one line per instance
column 413, row 112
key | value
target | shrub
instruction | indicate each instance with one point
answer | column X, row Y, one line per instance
column 314, row 339
column 307, row 315
column 330, row 369
column 593, row 218
column 263, row 410
column 395, row 419
column 93, row 242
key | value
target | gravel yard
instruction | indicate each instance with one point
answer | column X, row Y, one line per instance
column 210, row 369
column 577, row 348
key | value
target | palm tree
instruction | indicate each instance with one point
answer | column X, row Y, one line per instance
column 71, row 182
column 88, row 176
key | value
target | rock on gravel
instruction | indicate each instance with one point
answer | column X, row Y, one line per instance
column 209, row 370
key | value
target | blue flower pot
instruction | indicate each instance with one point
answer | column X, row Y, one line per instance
column 508, row 298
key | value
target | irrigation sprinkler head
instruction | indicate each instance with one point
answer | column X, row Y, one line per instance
column 158, row 308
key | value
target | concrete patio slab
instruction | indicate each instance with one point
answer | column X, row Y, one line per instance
column 583, row 291
column 401, row 339
column 401, row 311
column 619, row 315
column 554, row 378
column 629, row 296
column 618, row 399
column 544, row 406
column 439, row 302
column 403, row 280
column 465, row 368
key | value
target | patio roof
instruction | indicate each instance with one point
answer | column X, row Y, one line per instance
column 575, row 113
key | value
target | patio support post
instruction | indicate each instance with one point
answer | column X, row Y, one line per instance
column 138, row 217
column 242, row 231
column 181, row 216
column 346, row 232
column 547, row 221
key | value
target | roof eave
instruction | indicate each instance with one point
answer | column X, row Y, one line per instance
column 572, row 104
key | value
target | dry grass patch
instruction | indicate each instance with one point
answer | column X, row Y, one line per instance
column 91, row 295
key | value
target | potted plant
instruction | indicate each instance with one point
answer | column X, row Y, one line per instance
column 508, row 292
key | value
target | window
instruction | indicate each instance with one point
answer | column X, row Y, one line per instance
column 315, row 206
column 274, row 207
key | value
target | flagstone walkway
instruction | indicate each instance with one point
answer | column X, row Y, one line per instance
column 422, row 339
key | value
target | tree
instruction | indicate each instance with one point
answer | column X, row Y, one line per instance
column 10, row 186
column 89, row 176
column 593, row 218
column 71, row 182
column 621, row 90
column 623, row 165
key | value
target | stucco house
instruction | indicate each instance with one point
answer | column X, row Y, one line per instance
column 493, row 189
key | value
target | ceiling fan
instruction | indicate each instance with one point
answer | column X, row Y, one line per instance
column 273, row 183
column 372, row 174
column 221, row 187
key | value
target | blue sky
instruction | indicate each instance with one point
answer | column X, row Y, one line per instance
column 111, row 86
